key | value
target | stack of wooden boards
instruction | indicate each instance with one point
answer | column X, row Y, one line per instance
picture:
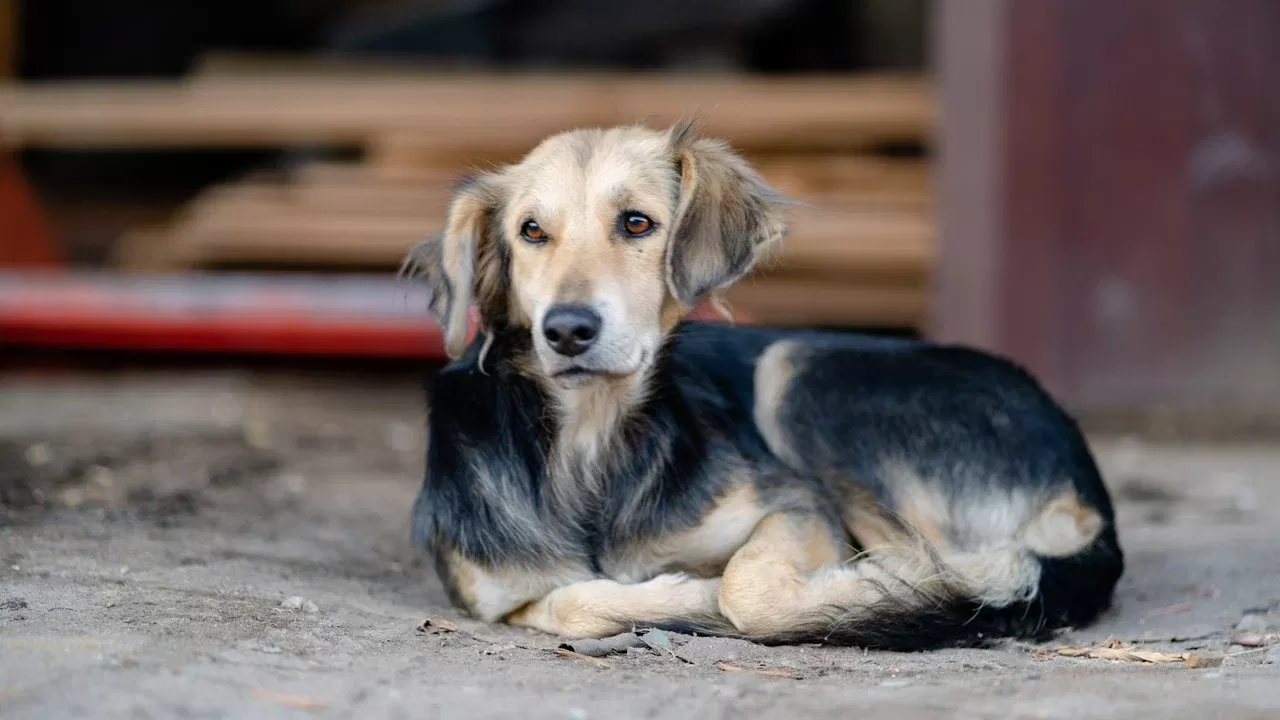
column 859, row 253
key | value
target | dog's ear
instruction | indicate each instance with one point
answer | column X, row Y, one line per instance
column 726, row 219
column 466, row 264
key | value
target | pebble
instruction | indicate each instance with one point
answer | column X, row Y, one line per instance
column 1253, row 623
column 1272, row 657
column 101, row 476
column 297, row 602
column 38, row 455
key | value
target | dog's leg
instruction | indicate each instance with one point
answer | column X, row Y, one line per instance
column 599, row 608
column 790, row 573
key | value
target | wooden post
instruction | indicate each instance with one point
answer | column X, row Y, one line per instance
column 1110, row 196
column 8, row 39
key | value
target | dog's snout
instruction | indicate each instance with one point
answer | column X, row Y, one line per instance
column 571, row 329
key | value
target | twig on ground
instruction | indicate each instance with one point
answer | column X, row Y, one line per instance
column 585, row 658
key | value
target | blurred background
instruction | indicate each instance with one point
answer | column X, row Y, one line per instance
column 211, row 404
column 1090, row 188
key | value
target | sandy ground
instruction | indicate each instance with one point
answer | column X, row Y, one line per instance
column 154, row 530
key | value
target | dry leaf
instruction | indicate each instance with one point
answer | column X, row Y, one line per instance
column 660, row 642
column 605, row 646
column 585, row 658
column 1254, row 639
column 437, row 626
column 297, row 702
column 1172, row 609
column 1195, row 662
column 1115, row 650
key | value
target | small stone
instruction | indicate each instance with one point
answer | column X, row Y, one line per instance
column 38, row 455
column 1272, row 657
column 310, row 608
column 293, row 603
column 72, row 497
column 101, row 476
column 1250, row 640
column 1253, row 623
column 293, row 483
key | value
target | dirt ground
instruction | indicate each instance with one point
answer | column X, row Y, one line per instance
column 220, row 544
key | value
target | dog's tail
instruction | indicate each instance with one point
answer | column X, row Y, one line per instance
column 973, row 600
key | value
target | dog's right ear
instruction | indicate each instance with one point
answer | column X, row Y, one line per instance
column 464, row 263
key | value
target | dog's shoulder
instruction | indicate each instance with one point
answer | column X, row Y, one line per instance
column 484, row 454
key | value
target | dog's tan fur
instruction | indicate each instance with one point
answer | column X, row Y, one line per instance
column 758, row 566
column 703, row 550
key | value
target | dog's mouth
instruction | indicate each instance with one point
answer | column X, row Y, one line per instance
column 578, row 374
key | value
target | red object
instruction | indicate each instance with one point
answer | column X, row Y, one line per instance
column 279, row 315
column 299, row 315
column 26, row 239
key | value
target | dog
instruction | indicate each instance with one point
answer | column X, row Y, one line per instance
column 598, row 462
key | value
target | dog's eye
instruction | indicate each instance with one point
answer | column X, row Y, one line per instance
column 532, row 232
column 636, row 224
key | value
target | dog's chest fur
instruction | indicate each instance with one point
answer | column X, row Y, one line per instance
column 621, row 490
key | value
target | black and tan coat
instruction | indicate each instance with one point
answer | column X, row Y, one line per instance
column 598, row 463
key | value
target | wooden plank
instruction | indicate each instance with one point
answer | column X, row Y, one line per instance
column 873, row 212
column 821, row 180
column 850, row 180
column 791, row 302
column 494, row 112
column 261, row 222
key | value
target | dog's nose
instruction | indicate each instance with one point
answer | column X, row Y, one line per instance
column 571, row 329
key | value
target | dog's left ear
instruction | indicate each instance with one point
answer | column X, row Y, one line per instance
column 727, row 217
column 465, row 264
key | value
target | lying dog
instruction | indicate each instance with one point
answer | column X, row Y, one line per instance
column 597, row 463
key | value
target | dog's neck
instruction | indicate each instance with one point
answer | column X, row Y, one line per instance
column 587, row 421
column 590, row 418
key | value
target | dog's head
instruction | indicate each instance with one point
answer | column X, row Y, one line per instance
column 597, row 243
